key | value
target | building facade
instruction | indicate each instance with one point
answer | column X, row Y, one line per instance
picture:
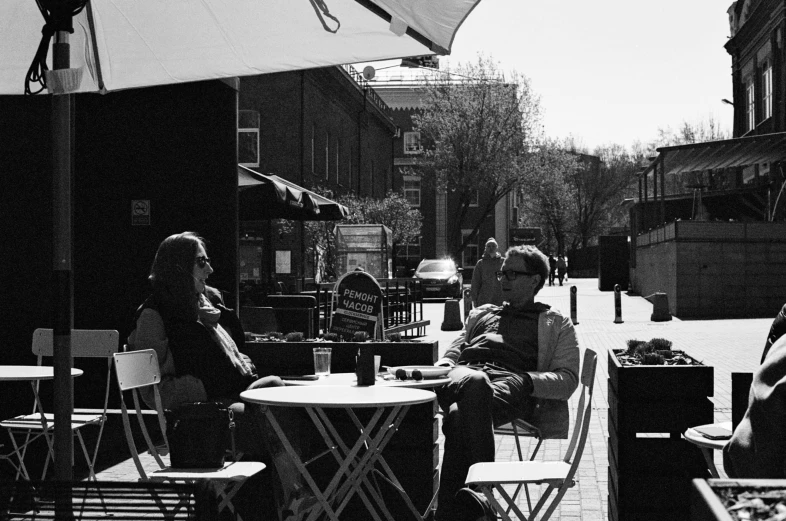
column 715, row 211
column 319, row 128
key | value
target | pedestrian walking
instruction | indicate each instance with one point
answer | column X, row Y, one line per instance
column 552, row 268
column 486, row 289
column 562, row 268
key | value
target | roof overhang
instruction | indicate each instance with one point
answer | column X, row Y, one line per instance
column 696, row 157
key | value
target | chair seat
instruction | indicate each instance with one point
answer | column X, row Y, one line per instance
column 231, row 471
column 512, row 472
column 33, row 421
column 522, row 428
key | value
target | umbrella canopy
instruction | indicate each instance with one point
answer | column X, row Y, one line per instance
column 267, row 196
column 121, row 44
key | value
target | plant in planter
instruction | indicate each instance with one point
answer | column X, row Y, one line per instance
column 654, row 389
column 657, row 351
column 738, row 500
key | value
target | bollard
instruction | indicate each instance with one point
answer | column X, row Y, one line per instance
column 467, row 302
column 452, row 321
column 573, row 318
column 617, row 305
column 660, row 307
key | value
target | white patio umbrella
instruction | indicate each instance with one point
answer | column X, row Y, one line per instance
column 122, row 44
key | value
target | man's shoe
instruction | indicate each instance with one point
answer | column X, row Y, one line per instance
column 473, row 506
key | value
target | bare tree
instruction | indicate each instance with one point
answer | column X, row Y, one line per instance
column 478, row 126
column 600, row 183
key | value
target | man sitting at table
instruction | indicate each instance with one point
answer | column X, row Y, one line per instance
column 520, row 359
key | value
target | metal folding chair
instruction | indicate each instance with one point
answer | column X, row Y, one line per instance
column 519, row 428
column 139, row 369
column 558, row 475
column 85, row 343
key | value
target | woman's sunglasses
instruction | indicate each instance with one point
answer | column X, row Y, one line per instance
column 202, row 261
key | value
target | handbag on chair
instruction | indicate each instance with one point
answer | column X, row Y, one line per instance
column 198, row 434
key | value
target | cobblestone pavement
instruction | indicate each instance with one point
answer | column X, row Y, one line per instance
column 727, row 345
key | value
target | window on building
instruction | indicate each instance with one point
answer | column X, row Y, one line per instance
column 469, row 257
column 248, row 137
column 766, row 90
column 349, row 167
column 750, row 105
column 412, row 143
column 412, row 190
column 327, row 154
column 338, row 157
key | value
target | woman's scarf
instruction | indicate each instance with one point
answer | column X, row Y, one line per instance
column 209, row 316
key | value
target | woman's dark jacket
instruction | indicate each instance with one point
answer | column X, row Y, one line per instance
column 194, row 349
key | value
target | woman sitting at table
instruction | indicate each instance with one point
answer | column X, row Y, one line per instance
column 198, row 341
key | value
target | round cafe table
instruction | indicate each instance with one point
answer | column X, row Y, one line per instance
column 383, row 380
column 707, row 445
column 356, row 457
column 32, row 374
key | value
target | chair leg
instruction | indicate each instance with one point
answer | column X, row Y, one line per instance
column 91, row 472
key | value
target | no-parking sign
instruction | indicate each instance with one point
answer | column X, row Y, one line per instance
column 140, row 212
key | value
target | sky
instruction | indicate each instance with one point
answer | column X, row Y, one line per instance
column 610, row 71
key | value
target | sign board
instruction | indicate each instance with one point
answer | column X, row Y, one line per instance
column 358, row 305
column 283, row 261
column 525, row 237
column 140, row 212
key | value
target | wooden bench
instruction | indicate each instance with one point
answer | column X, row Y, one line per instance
column 85, row 500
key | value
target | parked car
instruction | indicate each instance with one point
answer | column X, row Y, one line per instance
column 440, row 278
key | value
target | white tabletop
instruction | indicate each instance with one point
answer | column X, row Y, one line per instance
column 9, row 373
column 383, row 379
column 697, row 439
column 339, row 396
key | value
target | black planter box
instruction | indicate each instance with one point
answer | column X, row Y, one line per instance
column 649, row 476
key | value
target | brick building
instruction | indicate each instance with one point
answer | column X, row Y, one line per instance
column 318, row 128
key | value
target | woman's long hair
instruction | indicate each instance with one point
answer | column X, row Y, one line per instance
column 172, row 276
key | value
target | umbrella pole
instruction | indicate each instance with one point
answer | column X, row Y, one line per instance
column 61, row 277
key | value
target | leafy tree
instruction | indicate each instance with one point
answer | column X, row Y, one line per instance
column 393, row 211
column 478, row 126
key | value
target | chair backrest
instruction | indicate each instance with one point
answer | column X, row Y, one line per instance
column 85, row 343
column 258, row 319
column 291, row 301
column 136, row 370
column 583, row 412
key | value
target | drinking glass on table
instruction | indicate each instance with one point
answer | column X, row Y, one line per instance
column 322, row 361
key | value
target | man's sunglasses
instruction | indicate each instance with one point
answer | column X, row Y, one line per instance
column 201, row 261
column 512, row 274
